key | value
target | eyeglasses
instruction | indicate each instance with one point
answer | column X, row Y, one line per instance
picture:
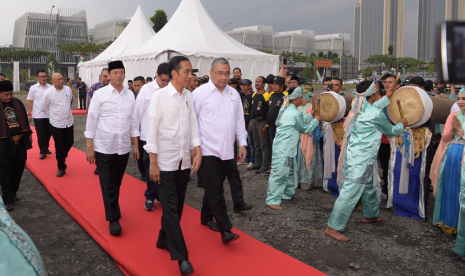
column 222, row 74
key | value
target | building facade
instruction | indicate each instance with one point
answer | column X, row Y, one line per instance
column 45, row 31
column 378, row 24
column 336, row 43
column 255, row 37
column 109, row 30
column 299, row 41
column 430, row 14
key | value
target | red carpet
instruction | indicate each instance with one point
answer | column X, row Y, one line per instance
column 79, row 112
column 78, row 192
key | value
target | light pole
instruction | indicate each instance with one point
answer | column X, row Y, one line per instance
column 397, row 58
column 225, row 26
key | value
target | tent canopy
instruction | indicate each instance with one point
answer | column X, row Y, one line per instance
column 137, row 32
column 192, row 32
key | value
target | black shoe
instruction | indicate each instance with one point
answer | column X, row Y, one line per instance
column 143, row 178
column 9, row 207
column 42, row 156
column 49, row 152
column 17, row 198
column 253, row 168
column 96, row 171
column 260, row 171
column 115, row 228
column 211, row 224
column 60, row 173
column 243, row 208
column 163, row 246
column 148, row 205
column 228, row 237
column 267, row 172
column 185, row 267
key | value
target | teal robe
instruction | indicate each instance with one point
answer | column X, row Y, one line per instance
column 460, row 242
column 357, row 177
column 289, row 127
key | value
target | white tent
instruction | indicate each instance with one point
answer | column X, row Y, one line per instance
column 191, row 32
column 137, row 32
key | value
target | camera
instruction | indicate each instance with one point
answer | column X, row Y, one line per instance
column 285, row 61
column 450, row 52
column 195, row 71
column 330, row 87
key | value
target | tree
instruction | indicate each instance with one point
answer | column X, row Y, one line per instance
column 266, row 51
column 390, row 50
column 321, row 54
column 90, row 34
column 52, row 67
column 368, row 72
column 307, row 73
column 83, row 48
column 159, row 20
column 21, row 55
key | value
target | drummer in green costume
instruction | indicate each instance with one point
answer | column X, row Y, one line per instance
column 290, row 124
column 358, row 174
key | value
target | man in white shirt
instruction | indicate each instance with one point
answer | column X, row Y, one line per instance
column 34, row 111
column 109, row 130
column 172, row 131
column 141, row 114
column 221, row 119
column 56, row 103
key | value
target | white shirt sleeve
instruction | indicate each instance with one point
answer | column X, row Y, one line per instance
column 92, row 117
column 135, row 123
column 30, row 95
column 153, row 123
column 195, row 135
column 46, row 102
column 241, row 133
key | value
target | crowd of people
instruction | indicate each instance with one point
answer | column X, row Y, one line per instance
column 175, row 128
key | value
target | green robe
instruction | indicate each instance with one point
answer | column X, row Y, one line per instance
column 289, row 127
column 358, row 179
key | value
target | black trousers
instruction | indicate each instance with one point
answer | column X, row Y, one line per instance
column 64, row 140
column 384, row 154
column 172, row 192
column 82, row 100
column 111, row 168
column 235, row 184
column 140, row 161
column 214, row 171
column 151, row 192
column 11, row 171
column 44, row 133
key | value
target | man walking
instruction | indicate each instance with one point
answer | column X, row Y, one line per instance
column 141, row 114
column 57, row 104
column 172, row 132
column 221, row 119
column 34, row 112
column 82, row 88
column 109, row 130
column 15, row 140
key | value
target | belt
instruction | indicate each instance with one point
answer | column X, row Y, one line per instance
column 460, row 142
column 259, row 119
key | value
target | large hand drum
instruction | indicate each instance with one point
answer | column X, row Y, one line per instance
column 332, row 106
column 416, row 105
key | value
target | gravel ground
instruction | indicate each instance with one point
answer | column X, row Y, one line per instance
column 400, row 246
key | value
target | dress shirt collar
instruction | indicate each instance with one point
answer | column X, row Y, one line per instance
column 155, row 85
column 212, row 87
column 173, row 90
column 113, row 89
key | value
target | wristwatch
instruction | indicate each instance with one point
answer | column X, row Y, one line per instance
column 28, row 113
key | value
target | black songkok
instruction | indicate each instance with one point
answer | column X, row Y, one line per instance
column 117, row 64
column 6, row 86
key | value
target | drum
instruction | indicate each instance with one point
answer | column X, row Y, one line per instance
column 332, row 106
column 416, row 105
